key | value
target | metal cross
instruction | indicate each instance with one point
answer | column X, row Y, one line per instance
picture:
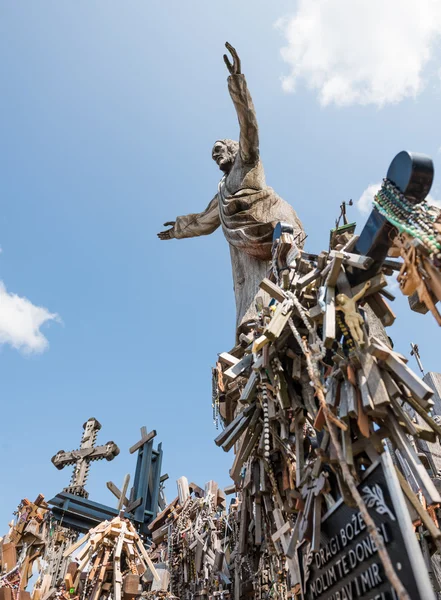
column 82, row 457
column 416, row 352
column 146, row 495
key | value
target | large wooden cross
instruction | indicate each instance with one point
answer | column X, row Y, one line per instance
column 82, row 457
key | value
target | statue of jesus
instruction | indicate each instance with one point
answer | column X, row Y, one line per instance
column 244, row 205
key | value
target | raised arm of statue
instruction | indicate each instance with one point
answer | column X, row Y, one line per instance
column 243, row 103
column 195, row 224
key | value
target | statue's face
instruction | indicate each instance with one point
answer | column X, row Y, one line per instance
column 221, row 156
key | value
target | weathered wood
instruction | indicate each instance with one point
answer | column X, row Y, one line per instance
column 375, row 383
column 316, row 528
column 244, row 451
column 211, row 487
column 243, row 526
column 392, row 388
column 237, row 369
column 316, row 313
column 351, row 399
column 430, row 492
column 258, row 521
column 353, row 260
column 299, row 448
column 235, row 435
column 366, row 398
column 382, row 309
column 196, row 490
column 163, row 515
column 223, row 436
column 279, row 320
column 6, row 593
column 425, row 518
column 343, row 285
column 71, row 571
column 183, row 490
column 308, row 278
column 329, row 329
column 403, row 417
column 249, row 390
column 331, row 394
column 378, row 282
column 9, row 556
column 286, row 527
column 131, row 584
column 337, row 260
column 123, row 499
column 228, row 359
column 292, row 544
column 144, row 440
column 420, row 390
column 423, row 414
column 147, row 559
column 272, row 289
column 260, row 343
column 115, row 491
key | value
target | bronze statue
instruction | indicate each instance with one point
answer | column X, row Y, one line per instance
column 244, row 205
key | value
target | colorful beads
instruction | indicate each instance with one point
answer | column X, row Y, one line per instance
column 417, row 221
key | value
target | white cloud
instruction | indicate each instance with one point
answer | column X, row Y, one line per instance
column 360, row 51
column 20, row 322
column 431, row 200
column 364, row 203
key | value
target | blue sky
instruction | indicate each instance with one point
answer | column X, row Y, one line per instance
column 108, row 113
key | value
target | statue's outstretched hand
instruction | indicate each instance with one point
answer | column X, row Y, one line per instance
column 235, row 67
column 168, row 234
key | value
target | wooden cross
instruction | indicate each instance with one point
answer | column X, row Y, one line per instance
column 28, row 510
column 82, row 457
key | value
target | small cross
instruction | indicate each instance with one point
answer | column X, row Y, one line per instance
column 416, row 352
column 82, row 457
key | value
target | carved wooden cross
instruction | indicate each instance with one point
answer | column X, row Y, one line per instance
column 26, row 511
column 82, row 457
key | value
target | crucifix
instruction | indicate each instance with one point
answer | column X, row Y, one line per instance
column 82, row 457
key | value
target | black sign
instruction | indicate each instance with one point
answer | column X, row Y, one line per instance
column 347, row 566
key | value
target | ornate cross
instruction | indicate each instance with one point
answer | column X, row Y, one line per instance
column 82, row 457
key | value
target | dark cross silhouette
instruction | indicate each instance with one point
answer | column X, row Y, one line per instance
column 416, row 352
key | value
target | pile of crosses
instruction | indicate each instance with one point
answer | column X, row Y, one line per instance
column 325, row 416
column 192, row 541
column 116, row 557
column 22, row 546
column 109, row 560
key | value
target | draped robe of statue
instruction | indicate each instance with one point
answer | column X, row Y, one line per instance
column 245, row 207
